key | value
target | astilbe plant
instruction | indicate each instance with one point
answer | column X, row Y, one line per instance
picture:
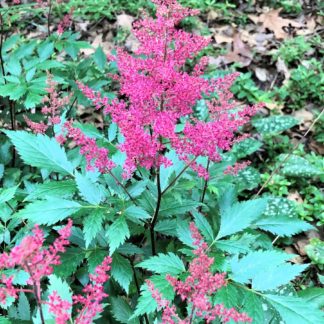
column 37, row 261
column 197, row 290
column 158, row 92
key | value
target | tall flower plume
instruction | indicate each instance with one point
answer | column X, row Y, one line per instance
column 197, row 290
column 158, row 92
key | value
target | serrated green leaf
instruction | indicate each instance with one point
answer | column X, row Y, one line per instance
column 295, row 310
column 95, row 258
column 40, row 151
column 49, row 211
column 53, row 188
column 203, row 226
column 88, row 190
column 274, row 124
column 276, row 275
column 283, row 226
column 237, row 244
column 314, row 295
column 256, row 263
column 136, row 213
column 164, row 263
column 121, row 271
column 7, row 194
column 23, row 307
column 92, row 225
column 70, row 260
column 117, row 234
column 240, row 216
column 228, row 296
column 167, row 227
column 45, row 51
column 171, row 207
column 252, row 305
column 121, row 311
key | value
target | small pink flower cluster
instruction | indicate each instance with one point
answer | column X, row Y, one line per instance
column 236, row 168
column 65, row 22
column 96, row 157
column 30, row 256
column 38, row 262
column 197, row 290
column 52, row 110
column 161, row 94
column 91, row 302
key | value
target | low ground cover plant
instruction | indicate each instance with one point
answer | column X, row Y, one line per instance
column 140, row 220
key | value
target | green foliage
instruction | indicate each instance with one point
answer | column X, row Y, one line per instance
column 40, row 151
column 274, row 124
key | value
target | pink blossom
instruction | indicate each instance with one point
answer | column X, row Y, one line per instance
column 236, row 168
column 94, row 294
column 31, row 257
column 59, row 307
column 159, row 93
column 96, row 157
column 197, row 289
column 65, row 22
column 53, row 105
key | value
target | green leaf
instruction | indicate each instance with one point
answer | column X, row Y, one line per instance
column 314, row 295
column 121, row 311
column 203, row 226
column 95, row 258
column 247, row 179
column 14, row 67
column 146, row 304
column 49, row 211
column 256, row 263
column 283, row 226
column 276, row 275
column 240, row 216
column 171, row 207
column 121, row 271
column 245, row 148
column 32, row 99
column 237, row 244
column 295, row 310
column 136, row 213
column 70, row 260
column 117, row 234
column 297, row 166
column 40, row 151
column 274, row 124
column 7, row 194
column 23, row 307
column 89, row 191
column 53, row 188
column 45, row 51
column 92, row 225
column 167, row 227
column 61, row 287
column 252, row 306
column 100, row 58
column 164, row 263
column 228, row 296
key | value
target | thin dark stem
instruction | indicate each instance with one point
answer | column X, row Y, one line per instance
column 49, row 18
column 70, row 108
column 156, row 212
column 124, row 188
column 205, row 188
column 138, row 287
column 178, row 176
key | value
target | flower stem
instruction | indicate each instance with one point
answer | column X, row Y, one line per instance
column 156, row 212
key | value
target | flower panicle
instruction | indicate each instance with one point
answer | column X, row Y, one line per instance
column 197, row 289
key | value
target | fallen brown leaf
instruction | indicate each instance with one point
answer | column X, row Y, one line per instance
column 272, row 21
